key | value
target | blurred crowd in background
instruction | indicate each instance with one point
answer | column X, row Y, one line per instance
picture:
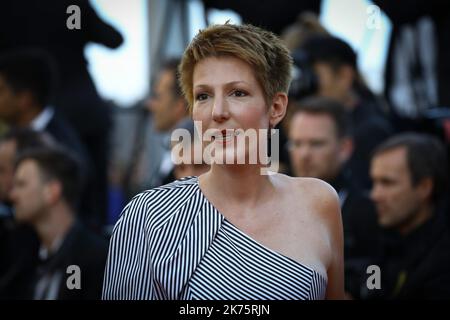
column 66, row 170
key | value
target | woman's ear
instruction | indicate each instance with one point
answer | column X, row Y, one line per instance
column 278, row 108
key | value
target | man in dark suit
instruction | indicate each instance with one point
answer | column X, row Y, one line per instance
column 71, row 258
column 409, row 190
column 18, row 242
column 26, row 82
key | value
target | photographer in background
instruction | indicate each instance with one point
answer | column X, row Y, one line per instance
column 327, row 66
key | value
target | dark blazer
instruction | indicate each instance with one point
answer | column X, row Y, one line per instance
column 361, row 232
column 90, row 198
column 63, row 133
column 82, row 248
column 416, row 266
column 19, row 246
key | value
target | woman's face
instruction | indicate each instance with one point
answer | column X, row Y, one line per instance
column 227, row 97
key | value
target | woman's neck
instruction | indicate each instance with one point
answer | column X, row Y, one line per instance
column 236, row 184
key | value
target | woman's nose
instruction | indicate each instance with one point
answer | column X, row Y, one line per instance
column 220, row 110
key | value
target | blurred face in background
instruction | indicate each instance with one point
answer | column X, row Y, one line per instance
column 29, row 192
column 335, row 83
column 7, row 154
column 314, row 147
column 397, row 201
column 164, row 104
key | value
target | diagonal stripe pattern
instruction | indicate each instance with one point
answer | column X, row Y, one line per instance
column 172, row 243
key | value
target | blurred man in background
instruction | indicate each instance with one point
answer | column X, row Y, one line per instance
column 169, row 111
column 18, row 242
column 45, row 195
column 409, row 188
column 26, row 87
column 328, row 67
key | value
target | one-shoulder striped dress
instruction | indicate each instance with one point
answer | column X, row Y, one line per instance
column 172, row 243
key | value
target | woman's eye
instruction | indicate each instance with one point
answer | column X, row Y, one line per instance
column 201, row 97
column 239, row 93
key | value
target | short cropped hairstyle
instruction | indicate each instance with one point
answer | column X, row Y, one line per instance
column 261, row 49
column 334, row 109
column 57, row 163
column 29, row 70
column 426, row 158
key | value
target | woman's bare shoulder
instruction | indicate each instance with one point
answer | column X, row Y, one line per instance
column 314, row 193
column 310, row 189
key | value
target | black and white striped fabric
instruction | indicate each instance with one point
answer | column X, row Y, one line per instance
column 172, row 243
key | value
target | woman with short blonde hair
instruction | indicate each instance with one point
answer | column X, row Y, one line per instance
column 231, row 233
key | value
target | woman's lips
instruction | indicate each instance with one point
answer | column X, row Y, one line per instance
column 225, row 136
